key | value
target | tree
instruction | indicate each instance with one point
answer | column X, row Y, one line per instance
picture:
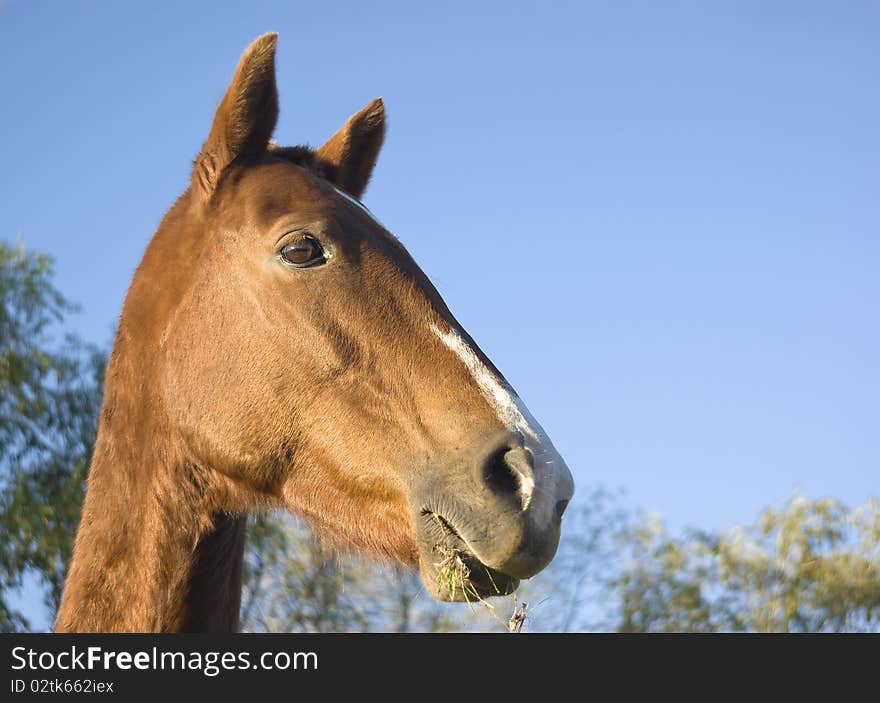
column 49, row 397
column 813, row 566
column 293, row 582
column 572, row 594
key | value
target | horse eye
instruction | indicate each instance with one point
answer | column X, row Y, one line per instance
column 303, row 252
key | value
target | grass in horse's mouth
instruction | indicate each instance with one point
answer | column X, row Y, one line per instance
column 455, row 573
column 455, row 559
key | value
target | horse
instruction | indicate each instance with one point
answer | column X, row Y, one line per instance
column 279, row 348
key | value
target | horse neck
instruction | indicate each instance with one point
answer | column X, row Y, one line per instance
column 154, row 550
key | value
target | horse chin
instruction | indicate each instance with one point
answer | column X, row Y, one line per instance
column 450, row 571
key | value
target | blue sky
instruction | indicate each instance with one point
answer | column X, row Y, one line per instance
column 660, row 220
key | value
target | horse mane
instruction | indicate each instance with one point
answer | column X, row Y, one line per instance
column 301, row 155
column 306, row 157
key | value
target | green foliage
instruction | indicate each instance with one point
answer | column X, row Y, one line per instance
column 813, row 566
column 49, row 398
column 572, row 593
column 294, row 583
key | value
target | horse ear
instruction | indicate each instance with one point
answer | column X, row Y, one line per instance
column 349, row 156
column 245, row 118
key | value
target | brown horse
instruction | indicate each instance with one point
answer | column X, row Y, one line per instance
column 279, row 348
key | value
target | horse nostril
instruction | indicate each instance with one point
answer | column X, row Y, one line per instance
column 508, row 473
column 560, row 508
column 499, row 475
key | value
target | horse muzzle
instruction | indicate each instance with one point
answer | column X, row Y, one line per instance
column 481, row 530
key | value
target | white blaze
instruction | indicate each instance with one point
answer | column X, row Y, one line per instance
column 549, row 469
column 507, row 405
